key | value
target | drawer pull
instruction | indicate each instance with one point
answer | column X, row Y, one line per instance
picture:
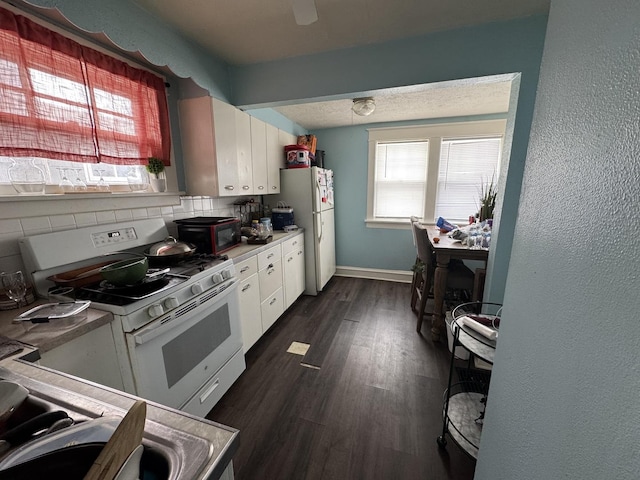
column 273, row 300
column 228, row 187
column 289, row 259
column 244, row 269
column 209, row 391
column 245, row 187
column 270, row 255
column 260, row 187
column 246, row 287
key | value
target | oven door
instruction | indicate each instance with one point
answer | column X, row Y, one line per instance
column 175, row 355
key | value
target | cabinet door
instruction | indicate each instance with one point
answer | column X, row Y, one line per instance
column 243, row 145
column 250, row 312
column 198, row 146
column 293, row 273
column 224, row 120
column 274, row 158
column 259, row 156
column 270, row 278
column 272, row 308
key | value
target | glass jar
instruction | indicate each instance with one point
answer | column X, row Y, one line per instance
column 26, row 177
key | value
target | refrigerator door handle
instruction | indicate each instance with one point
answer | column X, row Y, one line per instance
column 319, row 227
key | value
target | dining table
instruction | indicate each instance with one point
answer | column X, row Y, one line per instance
column 445, row 249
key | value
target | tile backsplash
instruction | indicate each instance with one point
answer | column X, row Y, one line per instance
column 17, row 222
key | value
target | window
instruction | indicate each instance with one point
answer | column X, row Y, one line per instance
column 68, row 105
column 431, row 171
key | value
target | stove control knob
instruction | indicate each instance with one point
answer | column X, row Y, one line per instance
column 226, row 274
column 171, row 302
column 155, row 310
column 217, row 278
column 196, row 289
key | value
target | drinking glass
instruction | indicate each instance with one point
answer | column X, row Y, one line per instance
column 79, row 184
column 102, row 185
column 15, row 286
column 65, row 184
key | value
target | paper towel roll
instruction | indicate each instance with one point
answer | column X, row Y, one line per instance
column 478, row 327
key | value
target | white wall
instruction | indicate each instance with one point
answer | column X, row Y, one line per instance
column 564, row 397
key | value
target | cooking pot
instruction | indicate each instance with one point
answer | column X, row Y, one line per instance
column 170, row 250
column 126, row 272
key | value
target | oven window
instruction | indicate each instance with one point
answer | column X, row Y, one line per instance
column 224, row 236
column 192, row 346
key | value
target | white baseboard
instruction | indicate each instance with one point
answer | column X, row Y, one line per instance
column 400, row 276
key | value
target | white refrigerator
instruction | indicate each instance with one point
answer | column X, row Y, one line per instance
column 309, row 191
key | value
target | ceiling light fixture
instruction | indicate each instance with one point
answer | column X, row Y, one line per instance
column 363, row 106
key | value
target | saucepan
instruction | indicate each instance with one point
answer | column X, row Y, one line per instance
column 126, row 272
column 169, row 251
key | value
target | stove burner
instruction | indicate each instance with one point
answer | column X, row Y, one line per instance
column 106, row 293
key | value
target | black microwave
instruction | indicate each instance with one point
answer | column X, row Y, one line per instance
column 210, row 234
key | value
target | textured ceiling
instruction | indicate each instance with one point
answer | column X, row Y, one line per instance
column 252, row 31
column 448, row 99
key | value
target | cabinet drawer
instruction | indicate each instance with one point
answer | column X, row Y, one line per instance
column 270, row 278
column 269, row 256
column 292, row 243
column 272, row 308
column 247, row 268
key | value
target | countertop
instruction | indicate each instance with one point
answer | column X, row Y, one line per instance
column 47, row 336
column 244, row 250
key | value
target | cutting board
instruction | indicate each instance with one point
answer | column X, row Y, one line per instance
column 125, row 439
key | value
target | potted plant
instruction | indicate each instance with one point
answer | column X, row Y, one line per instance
column 488, row 193
column 155, row 167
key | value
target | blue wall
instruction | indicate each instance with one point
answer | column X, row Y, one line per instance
column 498, row 48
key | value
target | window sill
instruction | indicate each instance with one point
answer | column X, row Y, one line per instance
column 391, row 223
column 82, row 196
column 21, row 206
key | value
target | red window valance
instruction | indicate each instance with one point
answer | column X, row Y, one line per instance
column 65, row 101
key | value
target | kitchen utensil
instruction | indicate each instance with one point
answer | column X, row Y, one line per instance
column 89, row 432
column 131, row 468
column 51, row 311
column 126, row 272
column 11, row 396
column 80, row 277
column 170, row 250
column 71, row 463
column 126, row 438
column 26, row 430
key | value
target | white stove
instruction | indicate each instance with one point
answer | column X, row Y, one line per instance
column 178, row 333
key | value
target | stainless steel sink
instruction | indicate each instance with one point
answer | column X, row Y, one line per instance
column 168, row 453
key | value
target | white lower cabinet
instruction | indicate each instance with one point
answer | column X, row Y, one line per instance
column 249, row 292
column 293, row 269
column 272, row 308
column 269, row 284
column 270, row 276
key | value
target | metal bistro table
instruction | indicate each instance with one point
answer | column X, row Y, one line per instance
column 445, row 250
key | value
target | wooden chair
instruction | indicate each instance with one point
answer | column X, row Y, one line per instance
column 417, row 268
column 459, row 277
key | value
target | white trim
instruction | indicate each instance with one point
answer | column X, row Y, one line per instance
column 399, row 276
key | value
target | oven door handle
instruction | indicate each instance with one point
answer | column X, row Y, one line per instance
column 150, row 332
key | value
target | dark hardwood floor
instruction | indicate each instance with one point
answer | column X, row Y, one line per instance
column 367, row 406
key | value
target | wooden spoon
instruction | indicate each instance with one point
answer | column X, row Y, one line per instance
column 126, row 437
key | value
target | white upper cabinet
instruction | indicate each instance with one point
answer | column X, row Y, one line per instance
column 274, row 158
column 259, row 156
column 227, row 152
column 243, row 151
